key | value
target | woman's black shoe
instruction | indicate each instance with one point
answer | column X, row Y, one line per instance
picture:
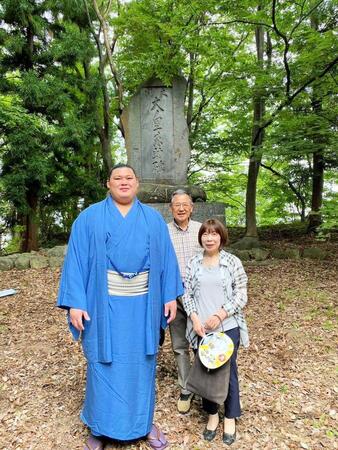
column 209, row 434
column 229, row 439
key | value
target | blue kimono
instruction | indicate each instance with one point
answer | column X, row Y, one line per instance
column 120, row 341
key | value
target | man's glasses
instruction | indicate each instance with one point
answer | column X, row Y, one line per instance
column 181, row 205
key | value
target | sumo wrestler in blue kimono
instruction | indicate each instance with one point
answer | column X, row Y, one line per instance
column 119, row 283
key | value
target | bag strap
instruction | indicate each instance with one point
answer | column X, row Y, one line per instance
column 221, row 321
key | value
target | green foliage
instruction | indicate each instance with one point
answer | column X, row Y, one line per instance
column 50, row 113
column 14, row 245
column 24, row 153
column 227, row 187
column 329, row 215
column 52, row 104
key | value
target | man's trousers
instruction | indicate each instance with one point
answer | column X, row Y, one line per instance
column 180, row 346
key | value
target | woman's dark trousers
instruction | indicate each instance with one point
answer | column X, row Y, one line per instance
column 232, row 406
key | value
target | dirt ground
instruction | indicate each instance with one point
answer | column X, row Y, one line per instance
column 288, row 375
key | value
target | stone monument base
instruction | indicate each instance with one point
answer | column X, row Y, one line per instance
column 161, row 193
column 202, row 211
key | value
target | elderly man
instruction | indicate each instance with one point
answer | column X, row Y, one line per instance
column 184, row 236
column 119, row 284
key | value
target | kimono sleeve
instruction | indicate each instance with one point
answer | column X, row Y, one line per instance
column 72, row 290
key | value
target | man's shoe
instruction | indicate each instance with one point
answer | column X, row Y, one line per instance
column 229, row 439
column 184, row 403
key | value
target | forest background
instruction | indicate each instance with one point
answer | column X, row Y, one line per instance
column 262, row 115
column 260, row 106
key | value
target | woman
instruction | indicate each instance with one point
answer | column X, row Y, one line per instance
column 215, row 294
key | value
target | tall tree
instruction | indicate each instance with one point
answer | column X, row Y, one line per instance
column 45, row 70
column 306, row 79
column 112, row 103
column 256, row 140
column 315, row 217
column 26, row 40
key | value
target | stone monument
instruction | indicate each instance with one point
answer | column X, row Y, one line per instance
column 156, row 135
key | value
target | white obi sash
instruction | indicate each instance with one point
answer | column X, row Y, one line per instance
column 127, row 287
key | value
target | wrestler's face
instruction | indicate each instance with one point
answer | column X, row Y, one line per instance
column 181, row 207
column 123, row 185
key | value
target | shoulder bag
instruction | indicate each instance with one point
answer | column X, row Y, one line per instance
column 210, row 372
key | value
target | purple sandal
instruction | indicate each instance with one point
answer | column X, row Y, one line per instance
column 93, row 444
column 156, row 439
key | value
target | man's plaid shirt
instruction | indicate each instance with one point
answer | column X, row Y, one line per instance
column 185, row 243
column 234, row 282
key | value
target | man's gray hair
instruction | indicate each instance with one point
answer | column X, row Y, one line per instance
column 180, row 192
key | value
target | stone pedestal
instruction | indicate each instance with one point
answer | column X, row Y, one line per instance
column 161, row 193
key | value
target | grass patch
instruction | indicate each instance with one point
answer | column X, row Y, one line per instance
column 332, row 433
column 328, row 325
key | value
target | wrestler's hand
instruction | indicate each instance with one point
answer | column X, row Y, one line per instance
column 197, row 325
column 170, row 311
column 77, row 316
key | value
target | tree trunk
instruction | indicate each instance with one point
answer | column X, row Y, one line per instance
column 104, row 129
column 105, row 149
column 109, row 43
column 251, row 194
column 315, row 217
column 30, row 237
column 104, row 132
column 256, row 143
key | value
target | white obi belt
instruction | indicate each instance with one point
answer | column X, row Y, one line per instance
column 127, row 287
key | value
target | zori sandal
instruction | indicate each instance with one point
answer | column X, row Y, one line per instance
column 156, row 439
column 93, row 444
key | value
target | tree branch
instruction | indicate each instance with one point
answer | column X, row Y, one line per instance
column 302, row 18
column 286, row 49
column 235, row 200
column 118, row 83
column 205, row 102
column 290, row 99
column 290, row 184
column 107, row 8
column 248, row 22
